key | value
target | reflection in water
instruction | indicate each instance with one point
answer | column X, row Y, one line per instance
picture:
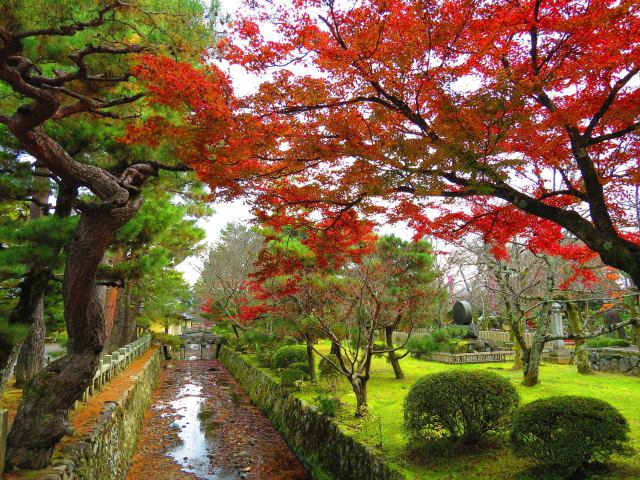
column 198, row 436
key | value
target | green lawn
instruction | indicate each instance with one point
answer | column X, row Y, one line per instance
column 494, row 461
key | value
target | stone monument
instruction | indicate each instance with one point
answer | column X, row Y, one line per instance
column 462, row 316
column 559, row 353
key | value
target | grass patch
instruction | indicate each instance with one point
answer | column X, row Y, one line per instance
column 382, row 430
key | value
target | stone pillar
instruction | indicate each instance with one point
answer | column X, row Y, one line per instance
column 4, row 431
column 557, row 327
column 559, row 353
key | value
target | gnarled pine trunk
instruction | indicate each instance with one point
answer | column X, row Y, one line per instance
column 42, row 416
column 31, row 358
column 393, row 358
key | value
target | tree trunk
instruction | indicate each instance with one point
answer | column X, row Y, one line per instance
column 311, row 363
column 235, row 331
column 8, row 356
column 335, row 348
column 576, row 326
column 32, row 290
column 393, row 358
column 359, row 385
column 532, row 359
column 31, row 357
column 25, row 313
column 42, row 416
column 516, row 337
column 122, row 324
column 531, row 369
column 517, row 357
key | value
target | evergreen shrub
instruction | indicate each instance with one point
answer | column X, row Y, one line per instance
column 566, row 433
column 288, row 354
column 459, row 405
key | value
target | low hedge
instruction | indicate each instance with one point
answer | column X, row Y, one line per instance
column 608, row 342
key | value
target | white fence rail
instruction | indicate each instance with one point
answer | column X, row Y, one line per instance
column 112, row 365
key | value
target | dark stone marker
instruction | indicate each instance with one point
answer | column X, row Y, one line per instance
column 462, row 313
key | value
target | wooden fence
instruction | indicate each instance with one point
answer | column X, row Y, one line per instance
column 478, row 357
column 109, row 367
column 495, row 335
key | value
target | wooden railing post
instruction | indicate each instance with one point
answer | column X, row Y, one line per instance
column 4, row 431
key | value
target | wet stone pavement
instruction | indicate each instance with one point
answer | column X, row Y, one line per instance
column 201, row 425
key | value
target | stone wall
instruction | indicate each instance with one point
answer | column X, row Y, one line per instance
column 326, row 451
column 106, row 451
column 615, row 361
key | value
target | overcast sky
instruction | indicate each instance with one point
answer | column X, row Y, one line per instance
column 237, row 211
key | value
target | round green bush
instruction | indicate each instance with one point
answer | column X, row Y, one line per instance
column 291, row 375
column 288, row 354
column 459, row 405
column 304, row 366
column 326, row 369
column 565, row 433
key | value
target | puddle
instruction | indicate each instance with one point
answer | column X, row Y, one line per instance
column 198, row 436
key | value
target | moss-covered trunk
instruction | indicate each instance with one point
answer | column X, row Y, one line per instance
column 311, row 364
column 393, row 358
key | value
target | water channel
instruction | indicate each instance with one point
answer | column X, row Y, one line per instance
column 201, row 425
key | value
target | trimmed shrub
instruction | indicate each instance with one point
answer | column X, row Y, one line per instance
column 290, row 376
column 566, row 433
column 288, row 354
column 607, row 342
column 326, row 369
column 327, row 405
column 263, row 356
column 459, row 405
column 304, row 366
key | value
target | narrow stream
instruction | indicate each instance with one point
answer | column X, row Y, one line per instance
column 198, row 436
column 201, row 425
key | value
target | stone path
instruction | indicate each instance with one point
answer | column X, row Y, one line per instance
column 201, row 425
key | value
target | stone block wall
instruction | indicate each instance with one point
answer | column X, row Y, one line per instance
column 105, row 452
column 326, row 451
column 615, row 361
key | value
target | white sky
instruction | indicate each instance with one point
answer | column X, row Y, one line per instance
column 237, row 211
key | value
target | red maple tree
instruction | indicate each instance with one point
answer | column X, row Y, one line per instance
column 401, row 106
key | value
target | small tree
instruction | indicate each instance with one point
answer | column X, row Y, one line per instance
column 347, row 291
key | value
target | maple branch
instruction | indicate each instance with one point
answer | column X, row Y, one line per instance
column 613, row 135
column 609, row 100
column 340, row 103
